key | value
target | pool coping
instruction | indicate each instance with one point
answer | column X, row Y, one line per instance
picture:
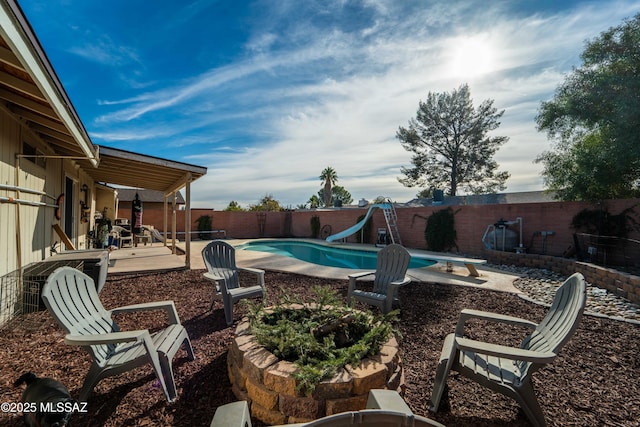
column 456, row 274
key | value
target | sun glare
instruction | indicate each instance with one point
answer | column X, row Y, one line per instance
column 472, row 56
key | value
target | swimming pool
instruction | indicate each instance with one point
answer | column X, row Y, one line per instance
column 329, row 256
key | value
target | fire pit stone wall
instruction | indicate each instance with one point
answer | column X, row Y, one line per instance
column 267, row 384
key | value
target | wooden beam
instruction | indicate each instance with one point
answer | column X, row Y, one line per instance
column 63, row 236
column 44, row 121
column 7, row 56
column 21, row 85
column 27, row 103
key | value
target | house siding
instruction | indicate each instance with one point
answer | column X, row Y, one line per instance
column 35, row 222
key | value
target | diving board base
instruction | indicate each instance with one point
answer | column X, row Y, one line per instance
column 472, row 270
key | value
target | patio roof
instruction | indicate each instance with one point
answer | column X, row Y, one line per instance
column 130, row 169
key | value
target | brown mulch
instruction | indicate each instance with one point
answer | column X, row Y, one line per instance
column 593, row 382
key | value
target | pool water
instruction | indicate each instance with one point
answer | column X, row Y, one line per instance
column 325, row 255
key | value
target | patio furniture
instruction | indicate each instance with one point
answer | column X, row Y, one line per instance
column 508, row 370
column 385, row 408
column 220, row 260
column 390, row 274
column 145, row 236
column 123, row 235
column 72, row 299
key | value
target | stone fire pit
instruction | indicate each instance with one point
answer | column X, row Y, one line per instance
column 267, row 384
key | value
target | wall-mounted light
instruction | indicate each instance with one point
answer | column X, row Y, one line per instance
column 83, row 205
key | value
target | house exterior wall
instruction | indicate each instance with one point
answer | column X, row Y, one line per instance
column 9, row 137
column 35, row 223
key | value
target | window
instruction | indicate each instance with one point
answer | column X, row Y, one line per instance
column 34, row 155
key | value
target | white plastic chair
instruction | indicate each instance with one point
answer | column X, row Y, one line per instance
column 72, row 299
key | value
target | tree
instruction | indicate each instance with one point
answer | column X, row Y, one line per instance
column 593, row 121
column 314, row 202
column 450, row 145
column 380, row 199
column 338, row 194
column 329, row 177
column 234, row 207
column 267, row 203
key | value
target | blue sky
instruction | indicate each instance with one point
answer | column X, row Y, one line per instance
column 268, row 93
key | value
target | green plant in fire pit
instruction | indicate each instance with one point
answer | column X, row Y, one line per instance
column 320, row 338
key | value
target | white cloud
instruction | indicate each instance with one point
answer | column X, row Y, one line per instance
column 315, row 90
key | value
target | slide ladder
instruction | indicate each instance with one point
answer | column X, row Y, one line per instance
column 391, row 217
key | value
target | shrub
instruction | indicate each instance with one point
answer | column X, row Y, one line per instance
column 603, row 223
column 315, row 226
column 319, row 338
column 440, row 232
column 205, row 225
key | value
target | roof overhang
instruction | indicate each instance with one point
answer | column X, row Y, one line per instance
column 130, row 169
column 32, row 93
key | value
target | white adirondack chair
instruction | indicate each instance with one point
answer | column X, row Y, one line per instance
column 220, row 260
column 385, row 409
column 72, row 299
column 390, row 274
column 508, row 370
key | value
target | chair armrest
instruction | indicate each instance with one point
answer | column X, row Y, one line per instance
column 352, row 282
column 234, row 414
column 498, row 350
column 110, row 338
column 402, row 282
column 389, row 400
column 259, row 273
column 391, row 289
column 167, row 306
column 467, row 314
column 217, row 279
column 361, row 274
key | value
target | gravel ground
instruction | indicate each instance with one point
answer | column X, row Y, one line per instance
column 593, row 382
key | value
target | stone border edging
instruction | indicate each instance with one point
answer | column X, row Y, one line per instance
column 265, row 382
column 587, row 313
column 622, row 284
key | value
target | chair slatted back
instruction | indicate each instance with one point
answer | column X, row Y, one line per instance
column 561, row 321
column 392, row 265
column 220, row 259
column 72, row 299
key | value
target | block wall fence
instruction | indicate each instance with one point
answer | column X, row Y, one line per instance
column 471, row 222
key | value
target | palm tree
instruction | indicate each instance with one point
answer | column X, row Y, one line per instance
column 330, row 177
column 314, row 202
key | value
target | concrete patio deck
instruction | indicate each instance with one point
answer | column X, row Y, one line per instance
column 148, row 259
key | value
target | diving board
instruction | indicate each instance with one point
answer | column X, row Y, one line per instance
column 470, row 263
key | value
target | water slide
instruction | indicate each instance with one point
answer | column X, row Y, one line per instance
column 156, row 235
column 354, row 229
